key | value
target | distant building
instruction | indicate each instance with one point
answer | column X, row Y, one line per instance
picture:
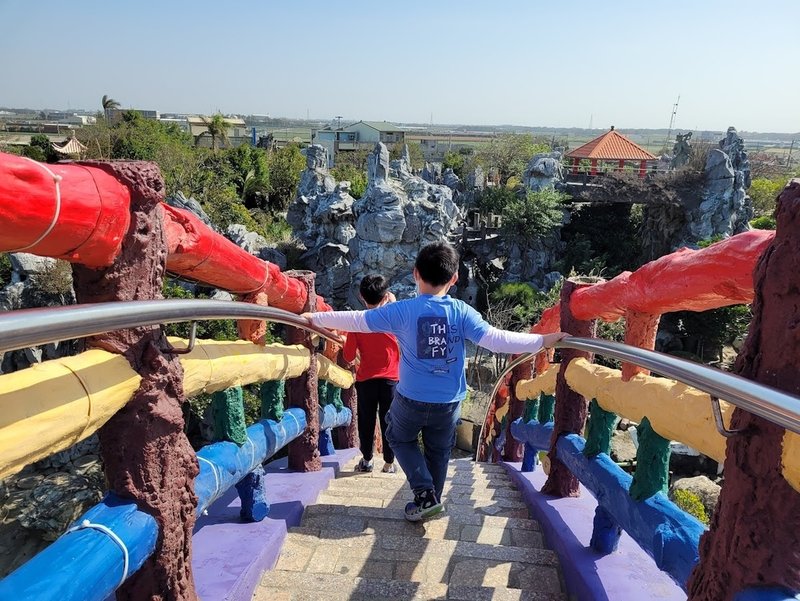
column 114, row 116
column 358, row 136
column 237, row 131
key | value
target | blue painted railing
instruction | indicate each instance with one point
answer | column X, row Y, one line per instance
column 88, row 564
column 667, row 533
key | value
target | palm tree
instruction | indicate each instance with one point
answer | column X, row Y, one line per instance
column 108, row 104
column 217, row 128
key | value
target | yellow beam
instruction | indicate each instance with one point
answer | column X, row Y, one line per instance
column 545, row 382
column 52, row 405
column 676, row 411
column 333, row 373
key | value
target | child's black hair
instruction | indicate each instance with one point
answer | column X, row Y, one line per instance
column 437, row 263
column 373, row 288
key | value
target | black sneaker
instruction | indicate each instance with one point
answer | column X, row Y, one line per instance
column 363, row 466
column 424, row 506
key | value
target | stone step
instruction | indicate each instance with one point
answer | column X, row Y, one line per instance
column 367, row 489
column 500, row 507
column 296, row 586
column 398, row 480
column 314, row 515
column 399, row 500
column 442, row 528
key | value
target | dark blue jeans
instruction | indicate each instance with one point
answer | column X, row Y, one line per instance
column 437, row 422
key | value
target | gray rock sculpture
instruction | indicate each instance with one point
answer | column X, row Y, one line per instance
column 432, row 173
column 451, row 180
column 396, row 216
column 255, row 244
column 725, row 208
column 681, row 151
column 543, row 171
column 476, row 180
column 179, row 201
column 401, row 168
column 322, row 218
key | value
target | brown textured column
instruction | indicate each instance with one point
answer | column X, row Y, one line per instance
column 347, row 436
column 146, row 455
column 640, row 331
column 302, row 391
column 571, row 408
column 755, row 532
column 513, row 449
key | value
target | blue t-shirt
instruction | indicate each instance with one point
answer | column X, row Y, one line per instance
column 431, row 331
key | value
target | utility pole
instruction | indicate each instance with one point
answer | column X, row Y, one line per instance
column 671, row 122
column 789, row 158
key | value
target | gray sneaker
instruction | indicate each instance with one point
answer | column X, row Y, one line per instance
column 389, row 468
column 363, row 466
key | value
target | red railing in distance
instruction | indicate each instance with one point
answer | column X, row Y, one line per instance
column 80, row 213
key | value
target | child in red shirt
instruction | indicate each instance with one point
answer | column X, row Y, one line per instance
column 376, row 376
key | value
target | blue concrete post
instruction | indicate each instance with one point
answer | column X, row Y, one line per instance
column 253, row 495
column 606, row 532
column 530, row 458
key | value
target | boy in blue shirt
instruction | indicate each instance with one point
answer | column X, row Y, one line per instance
column 431, row 330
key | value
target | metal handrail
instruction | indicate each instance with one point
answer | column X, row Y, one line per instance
column 32, row 327
column 769, row 403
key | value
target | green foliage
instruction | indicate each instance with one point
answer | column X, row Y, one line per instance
column 456, row 162
column 691, row 504
column 350, row 173
column 517, row 306
column 510, row 153
column 5, row 270
column 763, row 194
column 765, row 222
column 40, row 149
column 285, row 166
column 494, row 200
column 535, row 215
column 591, row 248
column 250, row 175
column 414, row 151
column 709, row 241
column 704, row 333
column 221, row 329
column 217, row 128
column 56, row 279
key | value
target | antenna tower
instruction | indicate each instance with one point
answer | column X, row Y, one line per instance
column 671, row 122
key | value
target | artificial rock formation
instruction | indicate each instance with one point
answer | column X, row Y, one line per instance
column 322, row 217
column 398, row 214
column 543, row 171
column 146, row 455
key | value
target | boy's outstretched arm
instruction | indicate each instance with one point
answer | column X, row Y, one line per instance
column 344, row 321
column 503, row 341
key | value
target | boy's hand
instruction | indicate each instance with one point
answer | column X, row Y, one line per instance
column 307, row 317
column 551, row 339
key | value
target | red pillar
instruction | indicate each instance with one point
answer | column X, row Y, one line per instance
column 593, row 170
column 642, row 169
column 640, row 331
column 575, row 162
column 621, row 165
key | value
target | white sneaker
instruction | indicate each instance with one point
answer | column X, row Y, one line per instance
column 389, row 468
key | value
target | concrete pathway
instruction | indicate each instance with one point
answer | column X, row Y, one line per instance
column 355, row 544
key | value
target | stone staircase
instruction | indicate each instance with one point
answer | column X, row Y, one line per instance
column 355, row 544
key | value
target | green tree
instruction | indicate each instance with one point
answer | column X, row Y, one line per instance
column 509, row 154
column 537, row 215
column 494, row 200
column 285, row 166
column 251, row 175
column 414, row 151
column 217, row 128
column 454, row 161
column 108, row 103
column 763, row 193
column 40, row 149
column 356, row 177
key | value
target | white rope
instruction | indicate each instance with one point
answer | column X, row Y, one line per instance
column 56, row 213
column 110, row 533
column 214, row 471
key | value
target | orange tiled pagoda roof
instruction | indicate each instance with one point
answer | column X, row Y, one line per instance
column 611, row 146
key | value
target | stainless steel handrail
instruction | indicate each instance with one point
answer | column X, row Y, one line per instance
column 773, row 405
column 32, row 327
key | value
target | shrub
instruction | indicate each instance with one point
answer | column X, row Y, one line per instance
column 765, row 222
column 535, row 215
column 357, row 178
column 5, row 270
column 709, row 241
column 691, row 504
column 763, row 194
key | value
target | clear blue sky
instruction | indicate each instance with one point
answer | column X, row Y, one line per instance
column 523, row 62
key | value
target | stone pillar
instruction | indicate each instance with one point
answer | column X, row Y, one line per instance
column 571, row 407
column 302, row 391
column 146, row 455
column 513, row 449
column 755, row 531
column 640, row 331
